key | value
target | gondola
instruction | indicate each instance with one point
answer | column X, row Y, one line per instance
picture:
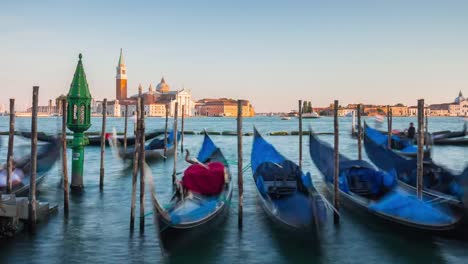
column 454, row 141
column 455, row 138
column 96, row 140
column 286, row 193
column 46, row 157
column 190, row 215
column 40, row 136
column 399, row 144
column 372, row 192
column 436, row 178
column 154, row 150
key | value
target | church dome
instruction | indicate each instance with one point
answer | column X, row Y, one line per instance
column 162, row 87
column 459, row 98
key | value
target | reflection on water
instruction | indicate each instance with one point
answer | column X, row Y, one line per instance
column 97, row 229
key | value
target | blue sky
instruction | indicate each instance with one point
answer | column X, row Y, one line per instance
column 271, row 52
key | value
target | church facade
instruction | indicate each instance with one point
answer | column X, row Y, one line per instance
column 156, row 100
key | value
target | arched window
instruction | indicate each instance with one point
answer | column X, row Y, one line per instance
column 75, row 112
column 82, row 114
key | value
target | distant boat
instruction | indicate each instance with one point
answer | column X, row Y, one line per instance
column 154, row 150
column 399, row 145
column 310, row 115
column 285, row 118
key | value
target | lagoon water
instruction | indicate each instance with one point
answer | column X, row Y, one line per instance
column 97, row 230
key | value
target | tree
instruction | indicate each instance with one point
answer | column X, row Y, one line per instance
column 304, row 107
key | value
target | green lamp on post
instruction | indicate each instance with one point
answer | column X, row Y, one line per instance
column 78, row 121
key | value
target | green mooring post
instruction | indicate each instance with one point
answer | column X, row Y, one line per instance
column 78, row 121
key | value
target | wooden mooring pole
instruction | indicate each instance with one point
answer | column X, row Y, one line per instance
column 135, row 164
column 240, row 177
column 336, row 171
column 359, row 133
column 165, row 132
column 182, row 130
column 142, row 166
column 103, row 143
column 420, row 155
column 32, row 188
column 176, row 110
column 125, row 128
column 353, row 125
column 300, row 134
column 64, row 158
column 427, row 137
column 389, row 127
column 11, row 142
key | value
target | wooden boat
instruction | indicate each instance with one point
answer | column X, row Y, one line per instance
column 286, row 193
column 450, row 134
column 190, row 216
column 154, row 150
column 437, row 179
column 379, row 194
column 46, row 157
column 456, row 141
column 401, row 146
column 455, row 138
column 40, row 136
column 96, row 140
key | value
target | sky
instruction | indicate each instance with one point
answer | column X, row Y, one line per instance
column 272, row 53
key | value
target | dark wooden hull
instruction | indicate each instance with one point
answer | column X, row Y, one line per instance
column 150, row 155
column 310, row 232
column 463, row 141
column 96, row 140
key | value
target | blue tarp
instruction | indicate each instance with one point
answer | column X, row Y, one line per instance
column 405, row 206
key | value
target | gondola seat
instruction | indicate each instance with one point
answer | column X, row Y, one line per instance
column 368, row 182
column 278, row 179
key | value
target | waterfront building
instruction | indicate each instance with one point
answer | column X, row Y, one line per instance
column 346, row 112
column 164, row 96
column 463, row 104
column 439, row 109
column 399, row 110
column 223, row 107
column 113, row 109
column 459, row 107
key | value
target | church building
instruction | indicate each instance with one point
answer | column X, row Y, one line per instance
column 155, row 100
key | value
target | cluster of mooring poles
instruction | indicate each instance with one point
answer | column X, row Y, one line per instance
column 32, row 213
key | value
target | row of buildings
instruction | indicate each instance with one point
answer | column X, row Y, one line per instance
column 156, row 100
column 459, row 107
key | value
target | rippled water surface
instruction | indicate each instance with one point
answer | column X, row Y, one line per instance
column 97, row 230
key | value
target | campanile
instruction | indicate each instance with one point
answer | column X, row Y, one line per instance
column 121, row 79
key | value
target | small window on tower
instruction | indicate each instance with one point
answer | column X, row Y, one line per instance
column 123, row 71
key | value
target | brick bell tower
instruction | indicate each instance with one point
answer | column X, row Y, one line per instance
column 121, row 80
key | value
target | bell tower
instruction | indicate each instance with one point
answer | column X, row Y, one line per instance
column 121, row 79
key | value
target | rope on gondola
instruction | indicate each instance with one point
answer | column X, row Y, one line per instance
column 328, row 205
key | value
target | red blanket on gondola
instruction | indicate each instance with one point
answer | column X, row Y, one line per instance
column 204, row 181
